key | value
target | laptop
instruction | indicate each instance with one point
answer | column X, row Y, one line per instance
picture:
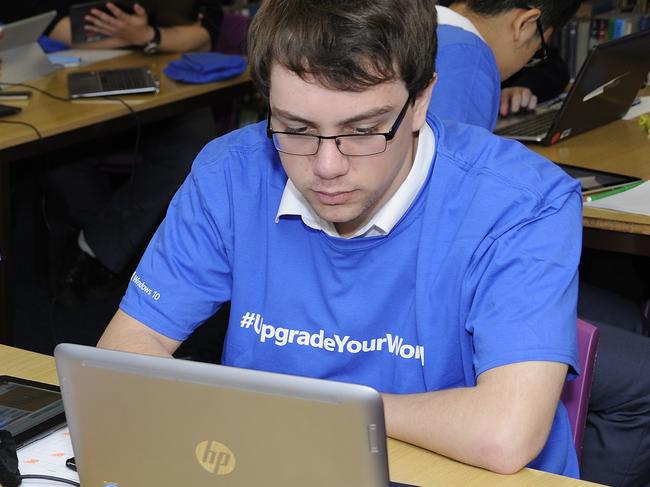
column 138, row 420
column 603, row 92
column 110, row 82
column 21, row 58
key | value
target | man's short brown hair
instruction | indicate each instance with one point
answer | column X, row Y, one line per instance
column 345, row 45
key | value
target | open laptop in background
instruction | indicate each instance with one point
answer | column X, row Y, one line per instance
column 109, row 82
column 21, row 58
column 603, row 92
column 138, row 420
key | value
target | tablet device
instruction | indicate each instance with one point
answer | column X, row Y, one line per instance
column 592, row 180
column 28, row 409
column 79, row 11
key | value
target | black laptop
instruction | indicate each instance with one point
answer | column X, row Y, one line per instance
column 603, row 92
column 110, row 82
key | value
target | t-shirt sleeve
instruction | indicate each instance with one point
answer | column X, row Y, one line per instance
column 525, row 296
column 184, row 275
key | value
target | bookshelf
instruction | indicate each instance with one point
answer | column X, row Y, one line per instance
column 598, row 21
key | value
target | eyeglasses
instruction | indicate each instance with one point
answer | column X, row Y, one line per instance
column 542, row 52
column 348, row 144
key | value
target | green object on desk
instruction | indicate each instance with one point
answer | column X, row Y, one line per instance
column 611, row 192
column 644, row 123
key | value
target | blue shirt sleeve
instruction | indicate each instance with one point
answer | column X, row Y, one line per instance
column 185, row 273
column 523, row 262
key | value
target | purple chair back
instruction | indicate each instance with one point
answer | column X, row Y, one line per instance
column 575, row 395
column 232, row 37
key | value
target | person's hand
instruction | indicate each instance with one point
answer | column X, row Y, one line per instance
column 133, row 28
column 516, row 98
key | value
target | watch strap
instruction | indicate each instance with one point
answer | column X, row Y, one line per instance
column 152, row 46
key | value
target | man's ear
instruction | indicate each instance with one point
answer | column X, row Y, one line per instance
column 421, row 104
column 524, row 25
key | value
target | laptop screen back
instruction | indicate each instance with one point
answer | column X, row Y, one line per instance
column 605, row 87
column 138, row 420
column 22, row 58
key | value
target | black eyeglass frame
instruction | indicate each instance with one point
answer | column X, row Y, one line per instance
column 390, row 135
column 542, row 52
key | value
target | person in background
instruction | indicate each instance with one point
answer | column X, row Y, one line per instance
column 489, row 37
column 484, row 42
column 347, row 220
column 116, row 222
column 139, row 29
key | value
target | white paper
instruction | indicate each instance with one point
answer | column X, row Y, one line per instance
column 47, row 456
column 638, row 109
column 635, row 200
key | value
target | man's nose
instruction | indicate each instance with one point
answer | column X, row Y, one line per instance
column 329, row 163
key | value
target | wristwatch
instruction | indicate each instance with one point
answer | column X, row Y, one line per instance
column 151, row 47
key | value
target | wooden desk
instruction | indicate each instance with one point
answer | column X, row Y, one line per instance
column 65, row 123
column 620, row 147
column 408, row 464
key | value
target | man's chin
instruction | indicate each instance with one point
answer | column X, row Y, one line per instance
column 336, row 214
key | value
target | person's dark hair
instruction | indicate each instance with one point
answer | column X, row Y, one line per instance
column 555, row 13
column 345, row 45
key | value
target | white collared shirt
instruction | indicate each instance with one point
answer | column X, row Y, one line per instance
column 447, row 16
column 294, row 203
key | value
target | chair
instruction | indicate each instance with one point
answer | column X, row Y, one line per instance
column 232, row 36
column 575, row 395
column 247, row 108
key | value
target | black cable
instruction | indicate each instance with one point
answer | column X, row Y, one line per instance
column 132, row 112
column 52, row 317
column 31, row 87
column 138, row 125
column 17, row 122
column 49, row 477
column 47, row 223
column 136, row 150
column 53, row 301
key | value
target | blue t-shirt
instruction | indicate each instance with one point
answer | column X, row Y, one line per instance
column 469, row 91
column 478, row 273
column 469, row 85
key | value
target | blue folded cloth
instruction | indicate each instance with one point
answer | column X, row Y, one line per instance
column 50, row 45
column 205, row 67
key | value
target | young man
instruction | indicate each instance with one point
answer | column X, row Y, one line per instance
column 483, row 42
column 357, row 242
column 488, row 36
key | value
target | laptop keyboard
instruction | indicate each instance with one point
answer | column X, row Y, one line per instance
column 537, row 125
column 124, row 79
